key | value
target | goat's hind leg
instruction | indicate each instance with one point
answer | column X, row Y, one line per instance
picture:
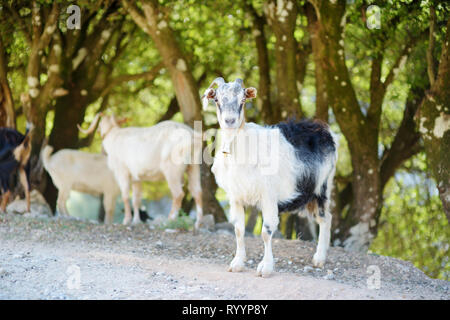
column 238, row 218
column 323, row 218
column 137, row 192
column 174, row 177
column 125, row 189
column 324, row 221
column 270, row 225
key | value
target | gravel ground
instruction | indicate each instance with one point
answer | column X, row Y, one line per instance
column 48, row 258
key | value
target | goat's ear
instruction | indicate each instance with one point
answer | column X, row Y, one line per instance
column 250, row 93
column 210, row 93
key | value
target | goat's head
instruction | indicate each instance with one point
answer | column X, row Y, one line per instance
column 105, row 124
column 230, row 100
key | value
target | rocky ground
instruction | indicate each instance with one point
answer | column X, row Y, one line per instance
column 49, row 258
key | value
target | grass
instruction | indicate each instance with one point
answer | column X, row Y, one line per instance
column 182, row 222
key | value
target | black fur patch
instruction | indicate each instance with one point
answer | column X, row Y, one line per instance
column 313, row 142
column 268, row 229
column 10, row 139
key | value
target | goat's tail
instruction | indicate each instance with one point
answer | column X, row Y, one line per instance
column 45, row 156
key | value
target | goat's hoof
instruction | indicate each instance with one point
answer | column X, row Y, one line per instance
column 264, row 269
column 136, row 221
column 237, row 265
column 126, row 221
column 318, row 260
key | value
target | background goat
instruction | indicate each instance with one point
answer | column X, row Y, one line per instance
column 83, row 172
column 298, row 176
column 140, row 154
column 15, row 150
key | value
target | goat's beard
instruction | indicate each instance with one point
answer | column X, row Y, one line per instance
column 228, row 136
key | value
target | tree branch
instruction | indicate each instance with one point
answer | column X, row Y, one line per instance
column 136, row 15
column 406, row 141
column 147, row 75
column 23, row 26
column 431, row 43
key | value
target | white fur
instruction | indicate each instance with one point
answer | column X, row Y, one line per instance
column 152, row 154
column 266, row 183
column 83, row 172
column 257, row 166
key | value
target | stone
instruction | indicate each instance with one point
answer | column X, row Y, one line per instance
column 207, row 222
column 38, row 206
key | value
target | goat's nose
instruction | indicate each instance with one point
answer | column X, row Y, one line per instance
column 230, row 121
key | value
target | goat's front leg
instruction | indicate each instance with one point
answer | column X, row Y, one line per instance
column 270, row 225
column 237, row 214
column 324, row 239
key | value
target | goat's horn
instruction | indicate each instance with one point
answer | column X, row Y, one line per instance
column 239, row 81
column 93, row 125
column 219, row 81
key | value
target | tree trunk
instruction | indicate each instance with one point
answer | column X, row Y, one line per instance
column 69, row 111
column 7, row 115
column 268, row 113
column 155, row 23
column 209, row 187
column 433, row 119
column 281, row 17
column 318, row 49
column 361, row 136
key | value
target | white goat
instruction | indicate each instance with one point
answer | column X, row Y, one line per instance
column 83, row 172
column 286, row 167
column 151, row 154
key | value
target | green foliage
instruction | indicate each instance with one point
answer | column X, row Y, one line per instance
column 183, row 222
column 413, row 225
column 217, row 39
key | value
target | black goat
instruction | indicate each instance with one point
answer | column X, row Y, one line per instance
column 15, row 150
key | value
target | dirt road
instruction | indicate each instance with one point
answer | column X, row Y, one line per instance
column 47, row 258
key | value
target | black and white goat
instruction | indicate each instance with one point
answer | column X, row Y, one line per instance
column 285, row 167
column 15, row 150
